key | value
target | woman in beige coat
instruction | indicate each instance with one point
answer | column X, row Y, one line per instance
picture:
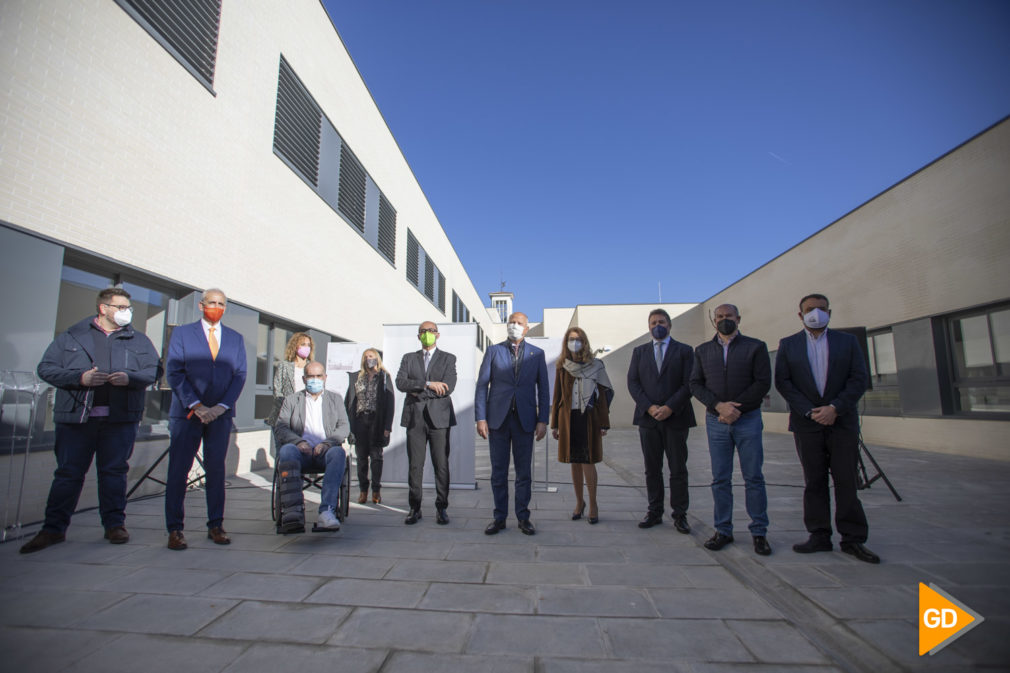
column 580, row 415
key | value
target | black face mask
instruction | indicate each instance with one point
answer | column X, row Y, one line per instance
column 726, row 326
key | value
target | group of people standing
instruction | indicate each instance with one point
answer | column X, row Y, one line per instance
column 101, row 367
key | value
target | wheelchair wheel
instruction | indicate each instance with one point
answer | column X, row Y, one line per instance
column 275, row 504
column 343, row 503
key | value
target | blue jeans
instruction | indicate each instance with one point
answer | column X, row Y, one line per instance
column 111, row 444
column 331, row 464
column 511, row 440
column 745, row 435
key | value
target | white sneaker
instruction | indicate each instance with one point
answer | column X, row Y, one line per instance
column 328, row 520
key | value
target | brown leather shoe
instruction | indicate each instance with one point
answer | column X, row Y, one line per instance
column 42, row 539
column 218, row 535
column 376, row 498
column 117, row 535
column 363, row 497
column 176, row 540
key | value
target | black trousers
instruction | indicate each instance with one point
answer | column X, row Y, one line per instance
column 420, row 436
column 833, row 450
column 368, row 453
column 659, row 441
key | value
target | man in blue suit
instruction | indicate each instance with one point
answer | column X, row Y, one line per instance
column 659, row 382
column 511, row 405
column 821, row 374
column 206, row 368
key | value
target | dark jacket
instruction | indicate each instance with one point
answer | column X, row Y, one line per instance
column 746, row 377
column 847, row 380
column 412, row 379
column 72, row 353
column 669, row 387
column 385, row 406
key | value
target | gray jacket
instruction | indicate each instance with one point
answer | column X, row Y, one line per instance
column 411, row 379
column 291, row 420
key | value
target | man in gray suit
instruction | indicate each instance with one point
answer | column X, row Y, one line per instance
column 428, row 376
column 311, row 428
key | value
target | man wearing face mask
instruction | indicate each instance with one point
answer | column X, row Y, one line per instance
column 512, row 405
column 731, row 375
column 311, row 427
column 821, row 374
column 428, row 376
column 100, row 368
column 659, row 382
column 206, row 368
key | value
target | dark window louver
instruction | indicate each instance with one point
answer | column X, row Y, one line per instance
column 455, row 306
column 412, row 261
column 441, row 292
column 296, row 124
column 190, row 28
column 352, row 188
column 387, row 229
column 429, row 278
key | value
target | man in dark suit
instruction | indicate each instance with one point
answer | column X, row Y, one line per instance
column 206, row 368
column 821, row 374
column 428, row 376
column 512, row 405
column 659, row 382
column 311, row 428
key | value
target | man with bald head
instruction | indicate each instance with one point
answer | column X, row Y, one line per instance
column 512, row 405
column 732, row 374
column 428, row 376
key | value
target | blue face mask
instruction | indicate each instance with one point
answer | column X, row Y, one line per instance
column 659, row 332
column 314, row 386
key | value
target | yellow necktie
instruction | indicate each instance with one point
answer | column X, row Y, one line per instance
column 214, row 347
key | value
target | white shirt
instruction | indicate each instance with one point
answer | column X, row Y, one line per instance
column 218, row 332
column 314, row 432
column 817, row 354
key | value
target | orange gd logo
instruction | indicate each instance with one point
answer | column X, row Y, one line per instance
column 942, row 619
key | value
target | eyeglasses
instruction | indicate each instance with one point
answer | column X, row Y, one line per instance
column 120, row 307
column 427, row 330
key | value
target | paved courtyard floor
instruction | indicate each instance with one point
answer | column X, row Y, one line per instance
column 382, row 596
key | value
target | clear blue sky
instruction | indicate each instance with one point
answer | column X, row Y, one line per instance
column 587, row 151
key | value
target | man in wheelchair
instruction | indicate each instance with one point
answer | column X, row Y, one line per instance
column 310, row 429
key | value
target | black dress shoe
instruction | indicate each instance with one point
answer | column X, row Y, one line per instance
column 494, row 527
column 441, row 517
column 761, row 546
column 413, row 517
column 650, row 520
column 42, row 539
column 814, row 544
column 860, row 552
column 526, row 527
column 681, row 524
column 718, row 541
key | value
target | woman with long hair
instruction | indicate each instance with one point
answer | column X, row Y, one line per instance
column 370, row 404
column 580, row 415
column 288, row 372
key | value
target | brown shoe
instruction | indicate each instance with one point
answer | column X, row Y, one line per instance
column 176, row 540
column 376, row 498
column 363, row 497
column 218, row 535
column 117, row 535
column 42, row 539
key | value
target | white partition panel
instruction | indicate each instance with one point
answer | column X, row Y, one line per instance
column 458, row 339
column 544, row 452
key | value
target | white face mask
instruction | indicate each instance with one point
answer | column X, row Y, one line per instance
column 123, row 318
column 574, row 345
column 816, row 318
column 515, row 331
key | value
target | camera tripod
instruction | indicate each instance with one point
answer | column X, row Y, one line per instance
column 863, row 480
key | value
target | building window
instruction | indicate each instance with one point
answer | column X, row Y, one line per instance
column 501, row 307
column 980, row 344
column 883, row 399
column 306, row 140
column 424, row 274
column 187, row 30
column 460, row 313
column 271, row 340
column 480, row 338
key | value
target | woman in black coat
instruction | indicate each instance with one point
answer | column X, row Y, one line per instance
column 370, row 405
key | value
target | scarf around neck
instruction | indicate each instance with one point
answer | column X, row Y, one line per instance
column 588, row 375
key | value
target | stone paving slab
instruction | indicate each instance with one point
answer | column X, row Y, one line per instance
column 427, row 631
column 546, row 636
column 173, row 615
column 480, row 598
column 159, row 654
column 32, row 648
column 663, row 639
column 373, row 593
column 279, row 622
column 283, row 658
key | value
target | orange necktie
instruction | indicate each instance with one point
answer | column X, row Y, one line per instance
column 214, row 347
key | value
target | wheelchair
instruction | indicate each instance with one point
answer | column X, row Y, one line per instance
column 314, row 480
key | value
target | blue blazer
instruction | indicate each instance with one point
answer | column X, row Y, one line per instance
column 670, row 386
column 195, row 377
column 497, row 385
column 847, row 380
